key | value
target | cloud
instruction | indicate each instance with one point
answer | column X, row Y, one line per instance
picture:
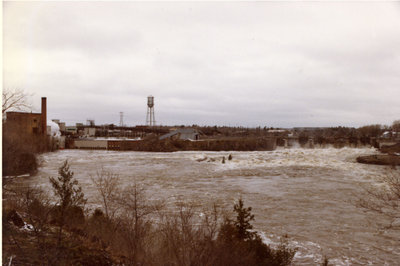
column 243, row 63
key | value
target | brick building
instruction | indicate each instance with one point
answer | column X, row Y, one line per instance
column 28, row 123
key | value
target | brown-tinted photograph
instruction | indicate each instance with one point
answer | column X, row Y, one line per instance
column 196, row 133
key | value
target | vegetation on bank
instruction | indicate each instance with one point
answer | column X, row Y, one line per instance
column 367, row 131
column 128, row 229
column 19, row 153
column 20, row 150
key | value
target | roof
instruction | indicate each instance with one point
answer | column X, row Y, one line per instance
column 22, row 113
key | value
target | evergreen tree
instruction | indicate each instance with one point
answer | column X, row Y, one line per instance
column 243, row 219
column 69, row 194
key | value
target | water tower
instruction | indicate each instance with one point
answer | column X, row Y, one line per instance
column 150, row 121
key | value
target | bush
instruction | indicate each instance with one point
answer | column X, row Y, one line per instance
column 19, row 151
column 19, row 163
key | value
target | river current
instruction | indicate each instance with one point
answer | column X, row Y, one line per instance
column 308, row 194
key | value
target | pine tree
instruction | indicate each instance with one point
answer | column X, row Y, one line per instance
column 69, row 194
column 243, row 219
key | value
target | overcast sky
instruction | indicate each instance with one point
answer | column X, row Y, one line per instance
column 280, row 64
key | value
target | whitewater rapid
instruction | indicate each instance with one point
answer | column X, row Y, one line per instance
column 307, row 194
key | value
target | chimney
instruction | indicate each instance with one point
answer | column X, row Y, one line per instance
column 44, row 116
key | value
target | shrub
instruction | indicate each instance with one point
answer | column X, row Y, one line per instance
column 19, row 163
column 19, row 151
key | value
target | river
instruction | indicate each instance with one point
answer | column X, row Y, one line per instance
column 308, row 194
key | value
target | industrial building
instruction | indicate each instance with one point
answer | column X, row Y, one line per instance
column 28, row 123
column 102, row 144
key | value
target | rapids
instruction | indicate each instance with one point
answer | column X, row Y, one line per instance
column 308, row 194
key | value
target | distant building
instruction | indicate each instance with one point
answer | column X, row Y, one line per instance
column 62, row 126
column 89, row 131
column 182, row 134
column 27, row 123
column 91, row 144
column 71, row 129
column 308, row 128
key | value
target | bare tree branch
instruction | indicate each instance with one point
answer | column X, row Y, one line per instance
column 396, row 125
column 107, row 185
column 15, row 100
column 385, row 200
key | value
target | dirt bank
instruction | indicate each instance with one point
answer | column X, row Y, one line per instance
column 380, row 159
column 390, row 149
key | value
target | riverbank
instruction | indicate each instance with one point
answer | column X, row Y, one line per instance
column 391, row 149
column 383, row 159
column 391, row 157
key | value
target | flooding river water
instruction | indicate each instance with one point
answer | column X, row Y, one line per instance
column 308, row 194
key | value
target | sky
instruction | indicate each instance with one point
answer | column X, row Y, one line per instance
column 279, row 64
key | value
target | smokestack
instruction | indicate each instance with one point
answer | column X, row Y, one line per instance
column 44, row 116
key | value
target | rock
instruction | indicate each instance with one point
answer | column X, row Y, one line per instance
column 202, row 159
column 223, row 159
column 28, row 227
column 15, row 218
column 396, row 222
column 230, row 157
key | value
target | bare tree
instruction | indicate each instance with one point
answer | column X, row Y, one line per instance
column 15, row 100
column 386, row 200
column 187, row 236
column 136, row 222
column 396, row 125
column 107, row 185
column 37, row 206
